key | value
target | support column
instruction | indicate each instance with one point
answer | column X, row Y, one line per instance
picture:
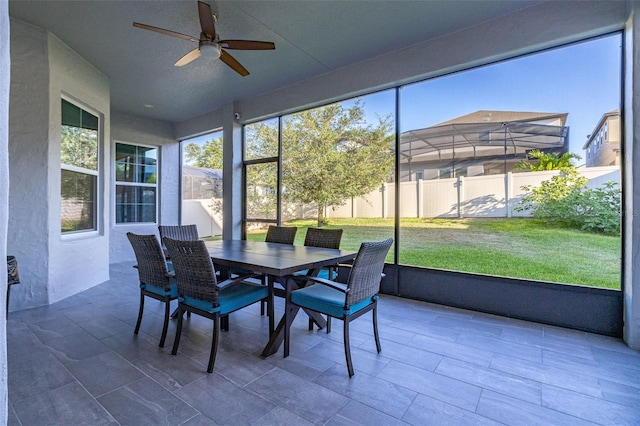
column 631, row 215
column 232, row 185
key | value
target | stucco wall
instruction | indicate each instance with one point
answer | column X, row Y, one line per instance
column 52, row 266
column 133, row 129
column 28, row 233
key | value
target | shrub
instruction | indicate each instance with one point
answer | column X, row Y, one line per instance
column 566, row 198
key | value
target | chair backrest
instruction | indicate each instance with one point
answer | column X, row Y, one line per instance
column 152, row 266
column 366, row 272
column 325, row 238
column 195, row 274
column 281, row 234
column 179, row 232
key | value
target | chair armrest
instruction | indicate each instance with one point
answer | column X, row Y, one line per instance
column 237, row 279
column 338, row 286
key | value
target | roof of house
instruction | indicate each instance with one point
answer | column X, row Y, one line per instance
column 492, row 116
column 201, row 172
column 485, row 133
column 605, row 117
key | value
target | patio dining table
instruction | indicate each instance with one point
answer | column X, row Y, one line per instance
column 277, row 262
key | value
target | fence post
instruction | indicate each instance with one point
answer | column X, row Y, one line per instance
column 354, row 213
column 460, row 196
column 420, row 191
column 508, row 191
column 383, row 196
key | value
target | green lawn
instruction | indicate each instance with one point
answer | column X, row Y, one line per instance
column 516, row 247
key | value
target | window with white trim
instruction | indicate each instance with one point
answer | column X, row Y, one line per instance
column 136, row 183
column 79, row 146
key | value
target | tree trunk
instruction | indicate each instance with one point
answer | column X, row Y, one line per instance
column 320, row 216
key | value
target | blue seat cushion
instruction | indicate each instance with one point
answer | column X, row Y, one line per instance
column 327, row 300
column 230, row 298
column 173, row 289
column 324, row 273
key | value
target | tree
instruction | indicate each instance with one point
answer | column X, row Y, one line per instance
column 546, row 161
column 208, row 155
column 329, row 154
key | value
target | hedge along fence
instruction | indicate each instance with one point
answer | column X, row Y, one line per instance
column 478, row 196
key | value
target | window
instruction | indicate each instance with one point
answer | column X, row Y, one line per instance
column 202, row 183
column 136, row 183
column 79, row 169
column 491, row 117
column 261, row 170
column 481, row 125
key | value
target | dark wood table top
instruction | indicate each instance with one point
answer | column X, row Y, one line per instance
column 273, row 258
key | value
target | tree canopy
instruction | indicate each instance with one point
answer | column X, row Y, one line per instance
column 329, row 154
column 207, row 155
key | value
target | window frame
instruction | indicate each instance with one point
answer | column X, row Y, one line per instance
column 98, row 173
column 117, row 183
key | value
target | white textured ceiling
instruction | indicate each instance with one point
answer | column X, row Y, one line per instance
column 311, row 38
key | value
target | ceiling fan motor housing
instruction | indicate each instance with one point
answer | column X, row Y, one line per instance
column 210, row 49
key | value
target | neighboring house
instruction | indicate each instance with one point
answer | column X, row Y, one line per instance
column 603, row 144
column 481, row 143
column 201, row 183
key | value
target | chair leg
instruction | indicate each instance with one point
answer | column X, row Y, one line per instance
column 328, row 324
column 165, row 326
column 139, row 314
column 375, row 326
column 176, row 340
column 214, row 343
column 347, row 347
column 224, row 323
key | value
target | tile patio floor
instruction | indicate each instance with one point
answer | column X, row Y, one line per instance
column 77, row 362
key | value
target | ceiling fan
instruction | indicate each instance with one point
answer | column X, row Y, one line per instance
column 209, row 43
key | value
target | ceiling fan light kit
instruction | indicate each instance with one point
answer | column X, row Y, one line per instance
column 209, row 43
column 210, row 50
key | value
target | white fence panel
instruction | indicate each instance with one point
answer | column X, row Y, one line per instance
column 440, row 198
column 483, row 196
column 345, row 210
column 371, row 205
column 518, row 180
column 410, row 199
column 600, row 175
column 390, row 206
column 203, row 214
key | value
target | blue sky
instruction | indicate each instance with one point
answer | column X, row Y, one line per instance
column 582, row 80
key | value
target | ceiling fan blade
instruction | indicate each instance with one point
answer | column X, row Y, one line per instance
column 235, row 65
column 191, row 56
column 247, row 45
column 206, row 19
column 165, row 32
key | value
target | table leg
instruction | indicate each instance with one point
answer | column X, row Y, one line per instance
column 278, row 334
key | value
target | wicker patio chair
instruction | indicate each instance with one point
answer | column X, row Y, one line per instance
column 324, row 238
column 346, row 301
column 155, row 280
column 201, row 293
column 178, row 232
column 281, row 234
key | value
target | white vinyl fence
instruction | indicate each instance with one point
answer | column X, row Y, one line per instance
column 479, row 196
